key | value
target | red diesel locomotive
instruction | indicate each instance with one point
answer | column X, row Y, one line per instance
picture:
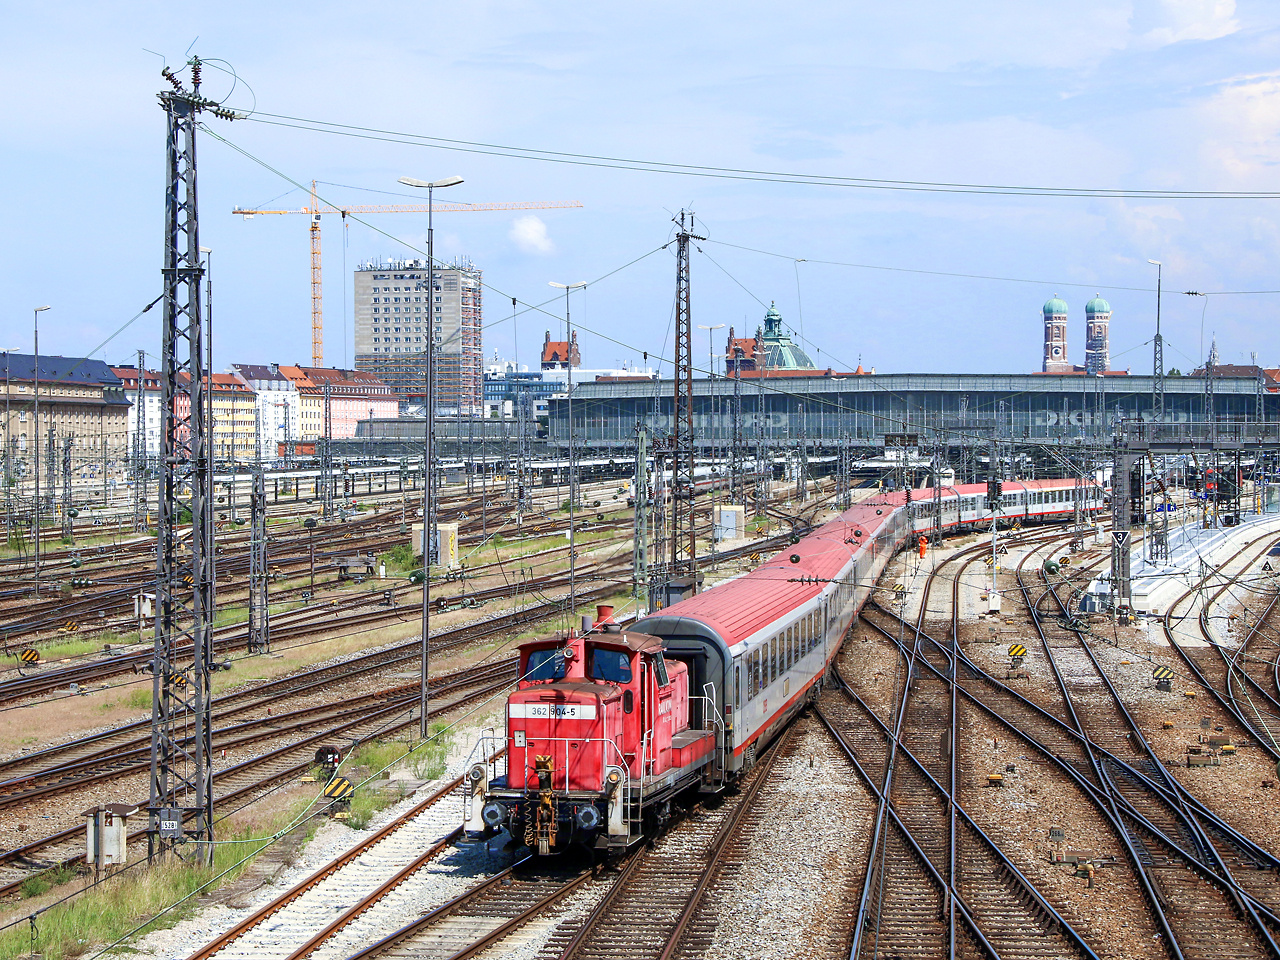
column 606, row 729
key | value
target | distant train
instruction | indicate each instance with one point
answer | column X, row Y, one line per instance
column 606, row 729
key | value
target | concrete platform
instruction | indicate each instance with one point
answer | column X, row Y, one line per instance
column 1193, row 551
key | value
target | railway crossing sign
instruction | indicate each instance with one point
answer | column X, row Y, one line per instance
column 29, row 656
column 1017, row 650
column 339, row 788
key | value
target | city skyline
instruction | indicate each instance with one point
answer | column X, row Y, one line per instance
column 1159, row 96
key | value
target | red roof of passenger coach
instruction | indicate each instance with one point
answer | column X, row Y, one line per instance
column 744, row 606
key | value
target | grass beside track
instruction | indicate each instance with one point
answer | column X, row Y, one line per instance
column 114, row 908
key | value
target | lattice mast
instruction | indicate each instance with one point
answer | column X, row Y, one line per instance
column 939, row 458
column 66, row 487
column 1260, row 386
column 51, row 466
column 684, row 536
column 140, row 448
column 181, row 793
column 736, row 479
column 259, row 611
column 640, row 533
column 802, row 460
column 326, row 458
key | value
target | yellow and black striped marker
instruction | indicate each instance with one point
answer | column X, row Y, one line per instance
column 179, row 679
column 339, row 788
column 69, row 627
column 755, row 558
column 29, row 656
column 1017, row 650
column 1162, row 673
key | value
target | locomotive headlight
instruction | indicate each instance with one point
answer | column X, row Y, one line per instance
column 494, row 814
column 476, row 773
column 614, row 777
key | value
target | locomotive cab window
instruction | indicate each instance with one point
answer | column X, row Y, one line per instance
column 660, row 669
column 613, row 666
column 545, row 665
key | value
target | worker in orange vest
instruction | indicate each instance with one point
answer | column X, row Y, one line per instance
column 924, row 542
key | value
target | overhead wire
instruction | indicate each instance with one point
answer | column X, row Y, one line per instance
column 765, row 385
column 740, row 173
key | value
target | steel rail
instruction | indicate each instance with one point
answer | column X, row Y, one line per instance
column 1096, row 792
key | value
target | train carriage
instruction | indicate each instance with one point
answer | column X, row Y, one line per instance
column 605, row 729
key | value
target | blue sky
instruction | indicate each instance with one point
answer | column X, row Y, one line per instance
column 1159, row 95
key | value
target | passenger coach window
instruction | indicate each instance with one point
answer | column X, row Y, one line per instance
column 545, row 665
column 611, row 665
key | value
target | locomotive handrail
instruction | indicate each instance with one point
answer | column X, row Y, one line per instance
column 717, row 726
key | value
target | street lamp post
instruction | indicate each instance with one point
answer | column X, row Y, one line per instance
column 715, row 407
column 573, row 472
column 429, row 532
column 1157, row 367
column 35, row 337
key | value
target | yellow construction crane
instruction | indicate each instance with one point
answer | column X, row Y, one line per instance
column 316, row 211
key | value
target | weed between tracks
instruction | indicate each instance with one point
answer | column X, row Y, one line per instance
column 382, row 759
column 116, row 907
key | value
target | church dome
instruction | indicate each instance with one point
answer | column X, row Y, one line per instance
column 1097, row 305
column 1054, row 307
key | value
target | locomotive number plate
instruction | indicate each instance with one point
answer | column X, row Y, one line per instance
column 546, row 711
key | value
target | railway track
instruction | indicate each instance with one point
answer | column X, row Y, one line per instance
column 1192, row 888
column 936, row 884
column 363, row 889
column 1247, row 687
column 362, row 612
column 238, row 784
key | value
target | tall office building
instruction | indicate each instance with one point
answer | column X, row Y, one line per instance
column 396, row 309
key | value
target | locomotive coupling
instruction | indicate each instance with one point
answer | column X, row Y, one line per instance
column 544, row 766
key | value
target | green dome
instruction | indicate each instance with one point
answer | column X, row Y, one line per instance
column 1055, row 307
column 780, row 352
column 1097, row 305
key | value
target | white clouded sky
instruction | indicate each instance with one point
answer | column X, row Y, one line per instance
column 1175, row 94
